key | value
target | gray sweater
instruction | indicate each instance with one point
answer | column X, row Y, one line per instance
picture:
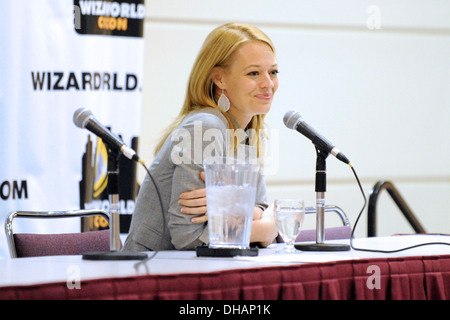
column 176, row 169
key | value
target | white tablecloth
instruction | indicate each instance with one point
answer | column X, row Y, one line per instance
column 27, row 271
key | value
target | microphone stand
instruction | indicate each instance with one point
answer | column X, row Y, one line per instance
column 114, row 217
column 321, row 188
column 113, row 197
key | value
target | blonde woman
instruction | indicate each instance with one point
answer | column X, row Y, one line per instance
column 230, row 89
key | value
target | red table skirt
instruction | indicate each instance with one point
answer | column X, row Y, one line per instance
column 416, row 278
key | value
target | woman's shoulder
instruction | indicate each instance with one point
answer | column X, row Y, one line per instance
column 209, row 118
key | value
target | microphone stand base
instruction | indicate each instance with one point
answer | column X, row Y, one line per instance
column 321, row 247
column 114, row 255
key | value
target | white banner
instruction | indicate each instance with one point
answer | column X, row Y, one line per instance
column 57, row 56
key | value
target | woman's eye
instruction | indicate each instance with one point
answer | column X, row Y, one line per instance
column 272, row 73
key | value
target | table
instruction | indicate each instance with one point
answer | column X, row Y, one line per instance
column 419, row 273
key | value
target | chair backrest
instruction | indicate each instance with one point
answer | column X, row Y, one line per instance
column 29, row 245
column 34, row 245
column 334, row 233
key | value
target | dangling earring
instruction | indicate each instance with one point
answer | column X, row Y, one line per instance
column 224, row 102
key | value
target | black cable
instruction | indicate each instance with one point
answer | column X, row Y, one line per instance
column 359, row 215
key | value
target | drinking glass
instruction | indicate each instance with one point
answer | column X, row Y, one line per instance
column 289, row 215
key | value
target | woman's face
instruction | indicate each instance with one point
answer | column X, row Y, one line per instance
column 250, row 81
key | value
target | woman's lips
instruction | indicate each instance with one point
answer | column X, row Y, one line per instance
column 265, row 97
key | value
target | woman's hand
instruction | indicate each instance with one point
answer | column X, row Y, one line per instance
column 264, row 230
column 257, row 213
column 194, row 203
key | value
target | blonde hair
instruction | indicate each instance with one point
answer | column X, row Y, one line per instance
column 216, row 50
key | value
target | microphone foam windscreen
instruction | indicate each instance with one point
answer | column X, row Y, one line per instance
column 81, row 116
column 291, row 119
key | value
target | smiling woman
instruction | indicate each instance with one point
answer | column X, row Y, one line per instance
column 236, row 68
column 249, row 80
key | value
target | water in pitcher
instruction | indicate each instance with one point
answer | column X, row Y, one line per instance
column 230, row 215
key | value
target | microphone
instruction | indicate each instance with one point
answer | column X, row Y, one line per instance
column 293, row 120
column 84, row 119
